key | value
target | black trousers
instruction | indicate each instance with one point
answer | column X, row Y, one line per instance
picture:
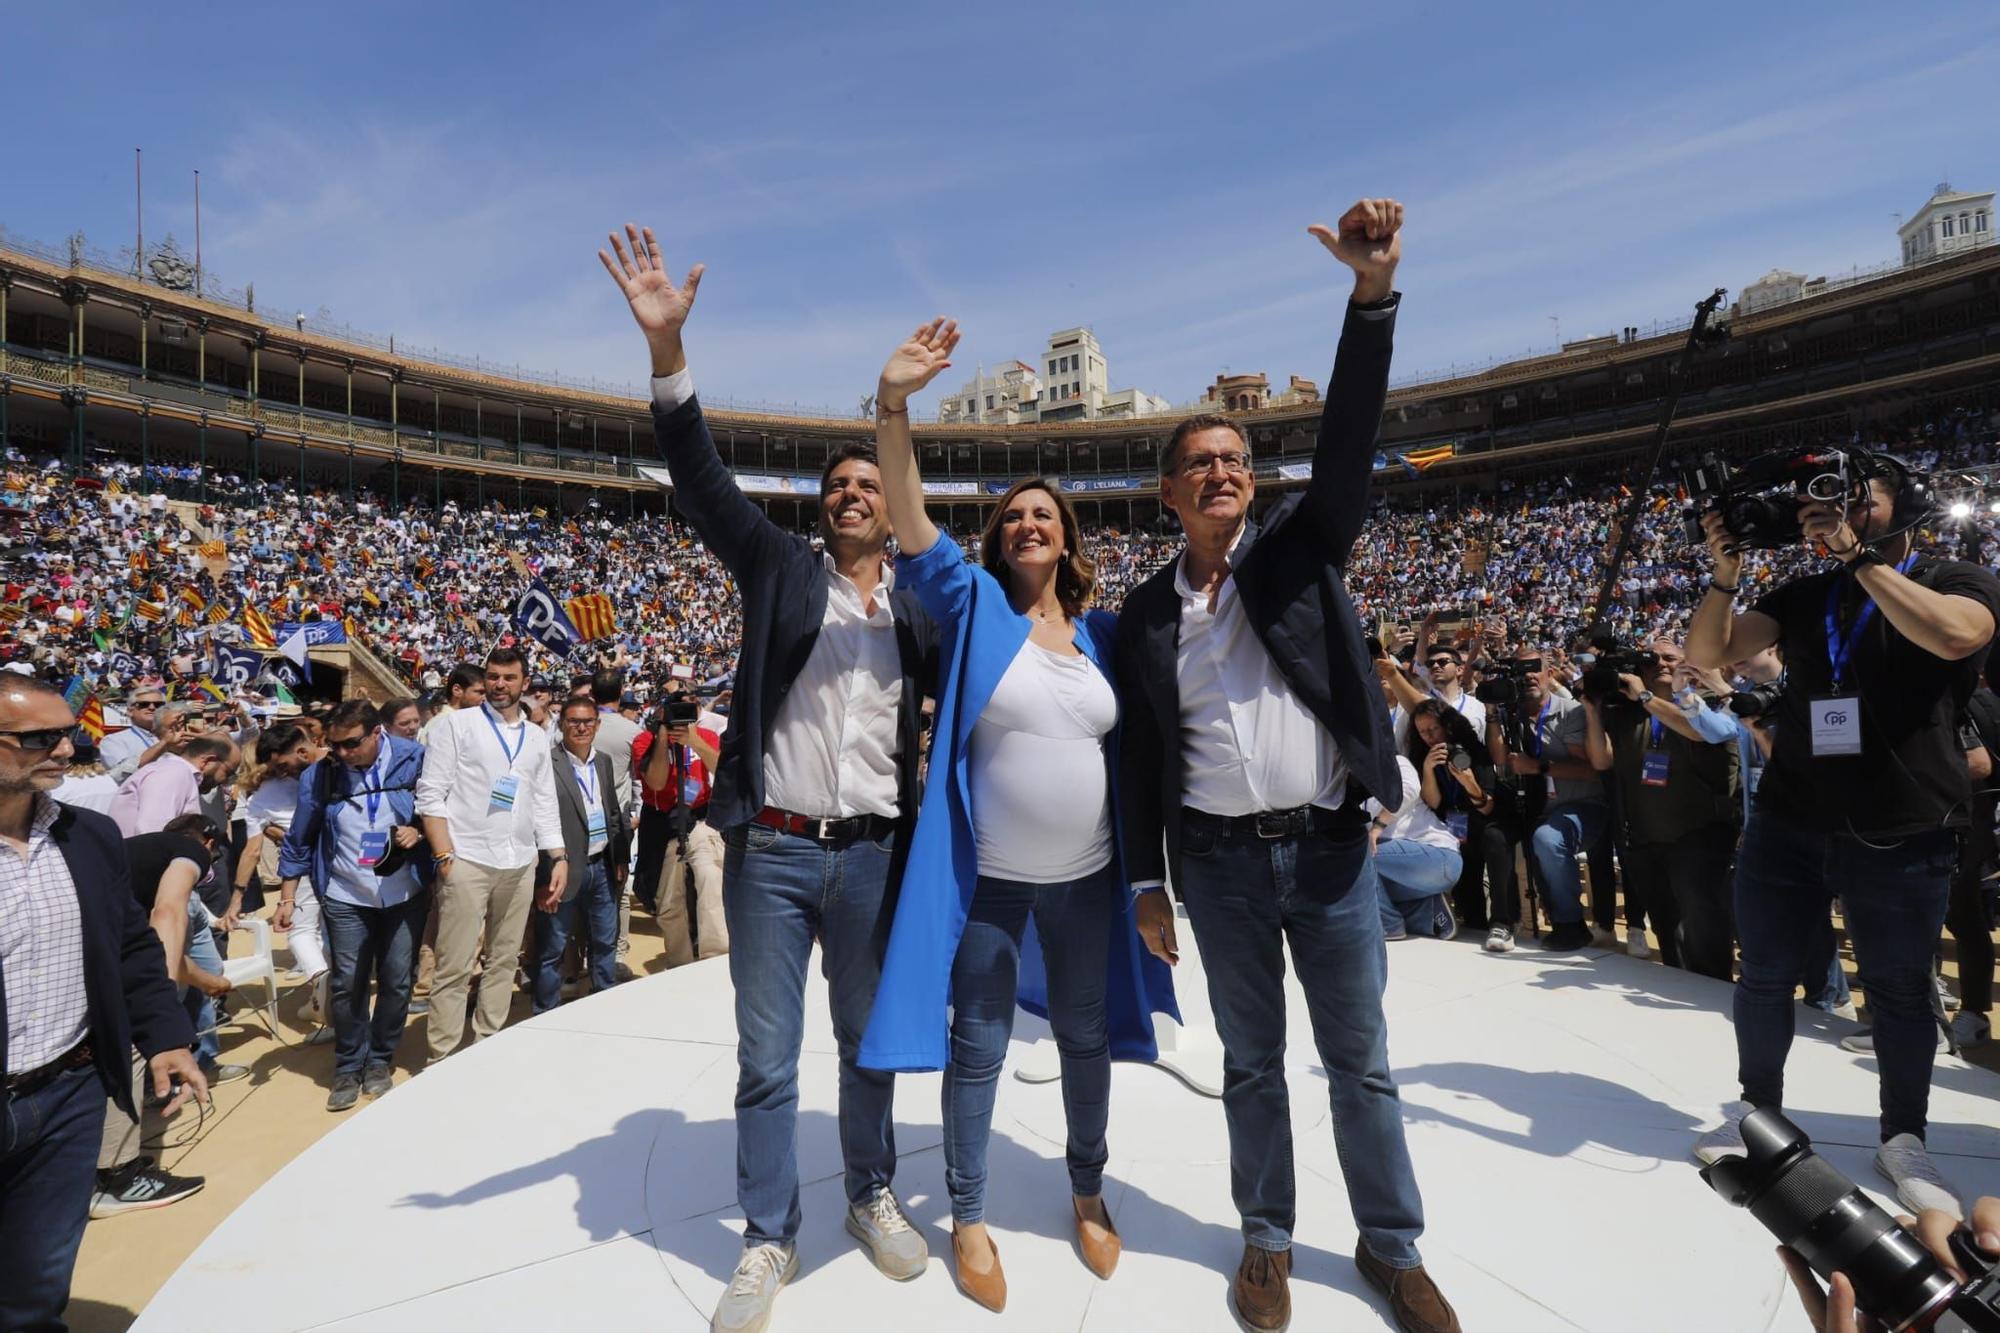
column 1486, row 895
column 1969, row 916
column 1685, row 888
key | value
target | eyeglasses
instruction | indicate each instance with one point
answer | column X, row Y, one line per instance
column 1235, row 463
column 579, row 722
column 40, row 740
column 148, row 704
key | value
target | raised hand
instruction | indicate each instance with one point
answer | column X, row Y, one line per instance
column 1368, row 239
column 917, row 362
column 659, row 307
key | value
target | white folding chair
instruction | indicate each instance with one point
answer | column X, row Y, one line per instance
column 257, row 966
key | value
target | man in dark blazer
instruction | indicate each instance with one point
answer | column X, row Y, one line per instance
column 82, row 981
column 1253, row 730
column 814, row 794
column 596, row 836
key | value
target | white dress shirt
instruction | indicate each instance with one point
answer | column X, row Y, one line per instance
column 121, row 750
column 466, row 757
column 41, row 941
column 1247, row 743
column 594, row 813
column 831, row 751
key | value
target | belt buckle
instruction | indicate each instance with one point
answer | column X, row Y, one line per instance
column 1272, row 824
column 819, row 829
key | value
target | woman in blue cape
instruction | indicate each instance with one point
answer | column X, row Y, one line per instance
column 1018, row 823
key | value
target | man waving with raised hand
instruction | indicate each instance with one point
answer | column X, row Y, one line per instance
column 815, row 792
column 1254, row 733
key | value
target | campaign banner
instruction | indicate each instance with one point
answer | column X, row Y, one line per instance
column 1085, row 485
column 540, row 617
column 236, row 669
column 319, row 633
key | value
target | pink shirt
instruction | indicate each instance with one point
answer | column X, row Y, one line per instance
column 162, row 791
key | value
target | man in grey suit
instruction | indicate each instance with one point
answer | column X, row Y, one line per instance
column 595, row 833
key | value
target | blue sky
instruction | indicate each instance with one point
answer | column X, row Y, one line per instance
column 445, row 172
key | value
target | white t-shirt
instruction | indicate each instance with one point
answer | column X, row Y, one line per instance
column 1415, row 821
column 276, row 801
column 1040, row 800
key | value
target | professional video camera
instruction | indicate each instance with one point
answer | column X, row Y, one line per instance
column 1806, row 1202
column 1602, row 668
column 1757, row 701
column 673, row 712
column 1501, row 682
column 1759, row 500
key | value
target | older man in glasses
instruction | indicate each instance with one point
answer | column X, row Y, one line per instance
column 596, row 836
column 83, row 980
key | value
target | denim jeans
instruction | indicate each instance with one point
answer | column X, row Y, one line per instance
column 48, row 1167
column 596, row 904
column 1414, row 879
column 1567, row 829
column 1824, row 979
column 1246, row 898
column 1072, row 924
column 201, row 1010
column 1894, row 898
column 367, row 945
column 782, row 891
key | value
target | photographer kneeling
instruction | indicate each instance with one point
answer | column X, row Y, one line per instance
column 1542, row 741
column 1678, row 794
column 1866, row 791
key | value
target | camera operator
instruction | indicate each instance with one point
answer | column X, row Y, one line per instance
column 1866, row 792
column 1542, row 742
column 679, row 853
column 1678, row 795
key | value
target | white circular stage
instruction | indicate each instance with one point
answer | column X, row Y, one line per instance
column 578, row 1171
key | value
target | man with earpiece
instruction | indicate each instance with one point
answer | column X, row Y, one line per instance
column 1866, row 793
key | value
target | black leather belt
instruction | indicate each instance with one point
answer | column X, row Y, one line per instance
column 828, row 831
column 34, row 1080
column 1273, row 824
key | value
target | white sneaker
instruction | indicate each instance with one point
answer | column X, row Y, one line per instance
column 1724, row 1139
column 1863, row 1042
column 319, row 999
column 1600, row 938
column 746, row 1306
column 1905, row 1163
column 1636, row 946
column 1846, row 1011
column 1945, row 997
column 1970, row 1029
column 1500, row 939
column 895, row 1246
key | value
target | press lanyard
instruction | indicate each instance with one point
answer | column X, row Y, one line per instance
column 1657, row 730
column 377, row 774
column 520, row 734
column 1541, row 719
column 589, row 787
column 1839, row 649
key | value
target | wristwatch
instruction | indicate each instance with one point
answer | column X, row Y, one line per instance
column 1645, row 697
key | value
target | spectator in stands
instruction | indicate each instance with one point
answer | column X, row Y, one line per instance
column 175, row 784
column 596, row 841
column 683, row 852
column 1864, row 795
column 1679, row 794
column 1246, row 724
column 464, row 688
column 1016, row 822
column 123, row 749
column 817, row 784
column 488, row 798
column 85, row 983
column 355, row 836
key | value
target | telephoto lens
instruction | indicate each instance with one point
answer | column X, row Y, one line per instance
column 1804, row 1200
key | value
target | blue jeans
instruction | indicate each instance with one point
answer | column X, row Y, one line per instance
column 201, row 1011
column 364, row 945
column 1072, row 925
column 1825, row 980
column 597, row 904
column 1246, row 898
column 1414, row 878
column 780, row 893
column 1567, row 829
column 1894, row 898
column 48, row 1168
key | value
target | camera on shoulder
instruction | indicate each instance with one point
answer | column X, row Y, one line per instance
column 1501, row 681
column 1760, row 499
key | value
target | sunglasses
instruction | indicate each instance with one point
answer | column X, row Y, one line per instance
column 352, row 743
column 40, row 739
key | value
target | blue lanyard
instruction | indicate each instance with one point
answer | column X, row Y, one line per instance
column 1657, row 730
column 520, row 734
column 1540, row 719
column 1838, row 649
column 377, row 774
column 590, row 787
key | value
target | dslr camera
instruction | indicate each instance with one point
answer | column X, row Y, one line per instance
column 1759, row 500
column 1804, row 1200
column 1757, row 701
column 1602, row 669
column 1501, row 681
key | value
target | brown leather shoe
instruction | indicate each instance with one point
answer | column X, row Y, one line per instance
column 989, row 1288
column 1100, row 1257
column 1414, row 1299
column 1262, row 1293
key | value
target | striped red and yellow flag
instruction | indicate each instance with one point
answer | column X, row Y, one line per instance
column 91, row 718
column 151, row 612
column 1423, row 459
column 218, row 614
column 13, row 613
column 258, row 628
column 194, row 600
column 424, row 567
column 213, row 550
column 185, row 619
column 137, row 560
column 592, row 615
column 368, row 596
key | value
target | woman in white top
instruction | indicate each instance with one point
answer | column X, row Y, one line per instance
column 1017, row 821
column 1417, row 861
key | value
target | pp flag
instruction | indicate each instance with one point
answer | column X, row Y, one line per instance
column 540, row 617
column 593, row 617
column 235, row 669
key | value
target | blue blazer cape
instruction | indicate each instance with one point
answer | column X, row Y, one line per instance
column 979, row 636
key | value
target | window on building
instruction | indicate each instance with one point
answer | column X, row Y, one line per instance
column 1964, row 224
column 1946, row 231
column 989, row 402
column 1979, row 220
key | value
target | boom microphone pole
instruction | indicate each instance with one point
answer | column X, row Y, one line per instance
column 1701, row 336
